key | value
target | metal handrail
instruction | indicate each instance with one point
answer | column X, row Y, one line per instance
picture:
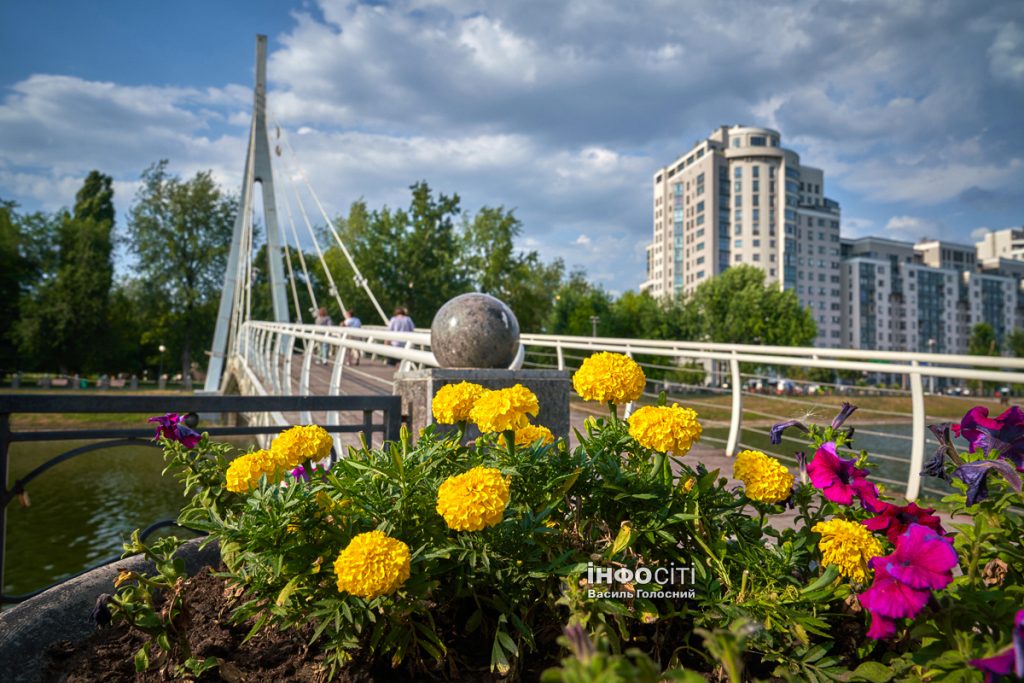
column 913, row 366
column 389, row 406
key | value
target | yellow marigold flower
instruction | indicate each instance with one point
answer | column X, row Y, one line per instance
column 666, row 429
column 848, row 546
column 453, row 402
column 474, row 500
column 245, row 471
column 302, row 442
column 766, row 479
column 527, row 435
column 504, row 409
column 609, row 377
column 372, row 564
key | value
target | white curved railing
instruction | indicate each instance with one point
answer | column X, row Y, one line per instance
column 268, row 350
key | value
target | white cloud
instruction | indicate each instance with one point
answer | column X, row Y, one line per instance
column 911, row 228
column 978, row 234
column 1006, row 55
column 583, row 241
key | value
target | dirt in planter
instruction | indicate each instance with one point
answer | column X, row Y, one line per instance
column 271, row 655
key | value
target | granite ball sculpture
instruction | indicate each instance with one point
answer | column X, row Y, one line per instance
column 474, row 331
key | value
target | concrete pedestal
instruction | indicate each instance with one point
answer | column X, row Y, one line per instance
column 418, row 388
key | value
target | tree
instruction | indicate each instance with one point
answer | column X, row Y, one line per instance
column 493, row 266
column 14, row 272
column 736, row 307
column 1015, row 342
column 181, row 231
column 983, row 341
column 576, row 303
column 65, row 323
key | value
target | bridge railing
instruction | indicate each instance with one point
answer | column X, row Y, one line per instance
column 915, row 373
column 16, row 404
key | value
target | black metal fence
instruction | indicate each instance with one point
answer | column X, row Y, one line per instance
column 390, row 408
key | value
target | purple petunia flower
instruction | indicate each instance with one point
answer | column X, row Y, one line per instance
column 896, row 519
column 1004, row 433
column 1007, row 661
column 844, row 413
column 172, row 427
column 840, row 480
column 775, row 433
column 889, row 597
column 936, row 465
column 975, row 475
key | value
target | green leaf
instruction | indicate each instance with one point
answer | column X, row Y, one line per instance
column 872, row 671
column 286, row 592
column 142, row 658
column 499, row 662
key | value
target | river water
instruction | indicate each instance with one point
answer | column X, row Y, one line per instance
column 82, row 510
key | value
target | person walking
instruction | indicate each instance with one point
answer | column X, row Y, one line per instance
column 323, row 319
column 351, row 355
column 400, row 322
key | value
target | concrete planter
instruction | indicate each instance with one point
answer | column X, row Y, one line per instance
column 64, row 613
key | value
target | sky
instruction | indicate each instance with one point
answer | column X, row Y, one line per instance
column 562, row 111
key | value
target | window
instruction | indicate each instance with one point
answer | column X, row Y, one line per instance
column 737, row 215
column 757, row 141
column 700, row 260
column 755, row 172
column 757, row 212
column 700, row 206
column 737, row 229
column 757, row 243
column 755, row 199
column 737, row 257
column 738, row 244
column 757, row 257
column 757, row 185
column 737, row 186
column 738, row 201
column 737, row 172
column 735, row 142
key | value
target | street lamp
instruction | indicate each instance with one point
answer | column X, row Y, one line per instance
column 594, row 320
column 162, row 348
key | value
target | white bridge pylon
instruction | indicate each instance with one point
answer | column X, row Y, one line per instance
column 236, row 297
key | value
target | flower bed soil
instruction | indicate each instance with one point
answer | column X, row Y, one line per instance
column 271, row 655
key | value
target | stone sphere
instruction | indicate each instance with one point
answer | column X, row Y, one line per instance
column 474, row 331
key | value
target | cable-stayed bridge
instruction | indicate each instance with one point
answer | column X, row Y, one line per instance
column 290, row 356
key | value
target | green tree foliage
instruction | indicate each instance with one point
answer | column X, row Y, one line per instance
column 423, row 256
column 983, row 341
column 64, row 323
column 15, row 271
column 488, row 256
column 737, row 307
column 181, row 231
column 1015, row 342
column 576, row 302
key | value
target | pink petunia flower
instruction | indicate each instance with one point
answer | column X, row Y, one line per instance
column 896, row 519
column 840, row 480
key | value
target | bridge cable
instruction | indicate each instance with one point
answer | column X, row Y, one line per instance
column 302, row 258
column 358, row 278
column 245, row 243
column 316, row 243
column 291, row 280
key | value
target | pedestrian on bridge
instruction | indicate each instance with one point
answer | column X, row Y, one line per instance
column 323, row 318
column 351, row 355
column 400, row 322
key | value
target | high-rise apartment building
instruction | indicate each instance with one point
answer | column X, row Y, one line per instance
column 899, row 296
column 1008, row 244
column 739, row 197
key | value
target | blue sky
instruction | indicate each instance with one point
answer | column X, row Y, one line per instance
column 561, row 110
